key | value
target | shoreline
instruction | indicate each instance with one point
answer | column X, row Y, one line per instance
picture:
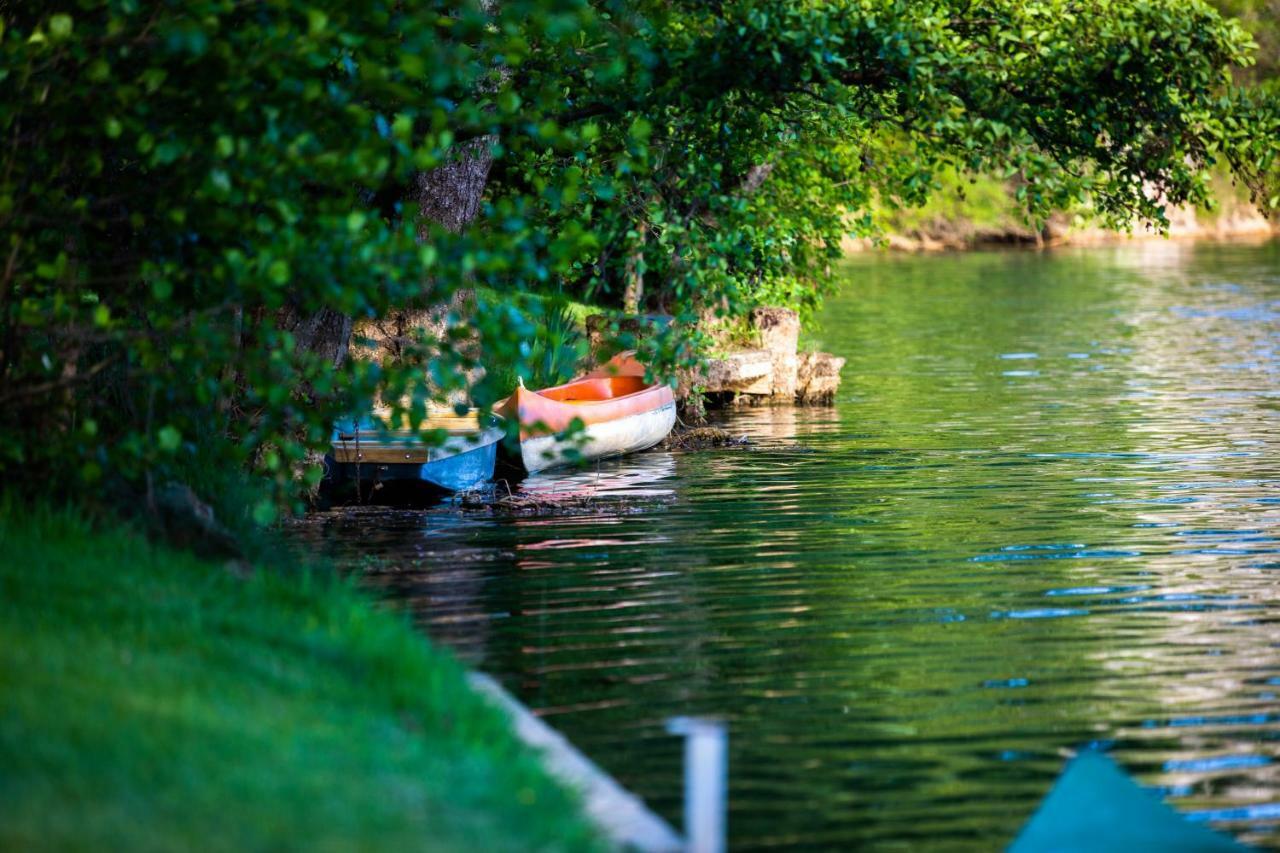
column 958, row 235
column 619, row 814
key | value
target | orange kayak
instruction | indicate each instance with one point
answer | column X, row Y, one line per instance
column 619, row 411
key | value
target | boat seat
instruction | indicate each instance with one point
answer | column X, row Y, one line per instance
column 592, row 390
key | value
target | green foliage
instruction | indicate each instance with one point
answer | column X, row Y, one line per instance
column 558, row 348
column 553, row 352
column 1261, row 18
column 150, row 700
column 192, row 193
column 186, row 196
column 735, row 154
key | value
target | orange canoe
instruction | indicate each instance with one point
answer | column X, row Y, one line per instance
column 620, row 414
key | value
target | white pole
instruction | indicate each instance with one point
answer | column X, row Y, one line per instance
column 705, row 775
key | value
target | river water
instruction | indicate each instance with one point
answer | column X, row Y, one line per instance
column 1043, row 513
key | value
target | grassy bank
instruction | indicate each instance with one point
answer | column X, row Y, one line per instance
column 970, row 211
column 961, row 206
column 149, row 700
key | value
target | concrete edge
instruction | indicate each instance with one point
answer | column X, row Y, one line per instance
column 621, row 816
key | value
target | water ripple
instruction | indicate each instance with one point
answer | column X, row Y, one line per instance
column 911, row 605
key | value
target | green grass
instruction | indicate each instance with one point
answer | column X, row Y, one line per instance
column 965, row 202
column 151, row 700
column 968, row 205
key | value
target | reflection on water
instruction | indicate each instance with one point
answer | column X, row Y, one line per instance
column 1044, row 512
column 647, row 475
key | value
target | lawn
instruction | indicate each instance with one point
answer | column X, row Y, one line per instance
column 149, row 699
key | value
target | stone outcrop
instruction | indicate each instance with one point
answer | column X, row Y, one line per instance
column 779, row 331
column 746, row 371
column 818, row 377
column 773, row 371
column 776, row 371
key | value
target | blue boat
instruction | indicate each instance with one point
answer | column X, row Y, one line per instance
column 447, row 453
column 1095, row 807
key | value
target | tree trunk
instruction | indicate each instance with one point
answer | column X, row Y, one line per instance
column 633, row 286
column 325, row 332
column 450, row 194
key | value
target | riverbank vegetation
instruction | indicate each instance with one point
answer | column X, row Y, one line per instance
column 966, row 209
column 211, row 209
column 151, row 700
column 223, row 224
column 966, row 212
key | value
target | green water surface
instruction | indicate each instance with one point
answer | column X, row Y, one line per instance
column 1043, row 513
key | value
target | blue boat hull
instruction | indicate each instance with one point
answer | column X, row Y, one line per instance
column 375, row 465
column 1095, row 807
column 456, row 473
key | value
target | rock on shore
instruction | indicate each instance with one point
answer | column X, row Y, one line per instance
column 818, row 377
column 775, row 371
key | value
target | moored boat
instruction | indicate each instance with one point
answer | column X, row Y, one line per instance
column 620, row 413
column 447, row 453
column 1095, row 807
